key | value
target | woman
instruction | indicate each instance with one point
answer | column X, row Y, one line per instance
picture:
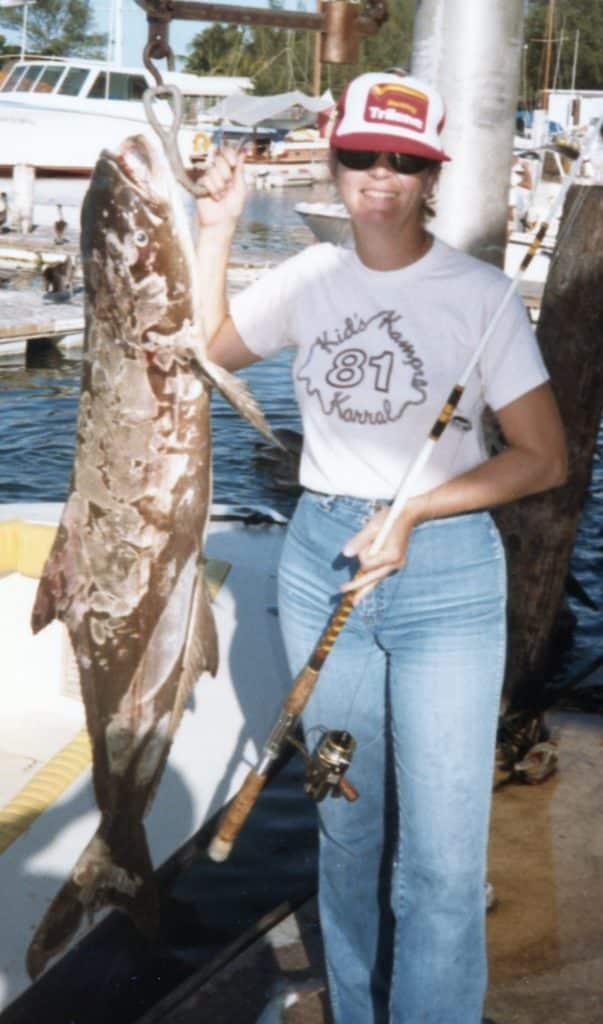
column 382, row 332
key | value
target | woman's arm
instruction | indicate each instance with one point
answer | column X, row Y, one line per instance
column 534, row 460
column 218, row 216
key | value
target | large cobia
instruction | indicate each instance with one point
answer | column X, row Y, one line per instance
column 124, row 573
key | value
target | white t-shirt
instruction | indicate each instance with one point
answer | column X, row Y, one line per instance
column 377, row 355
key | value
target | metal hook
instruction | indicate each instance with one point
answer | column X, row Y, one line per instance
column 148, row 63
column 158, row 42
column 169, row 136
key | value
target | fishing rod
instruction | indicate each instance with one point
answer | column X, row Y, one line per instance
column 237, row 811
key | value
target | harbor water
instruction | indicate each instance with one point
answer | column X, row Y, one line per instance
column 207, row 908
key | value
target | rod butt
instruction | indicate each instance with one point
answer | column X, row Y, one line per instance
column 219, row 850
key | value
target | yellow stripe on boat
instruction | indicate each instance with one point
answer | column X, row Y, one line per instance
column 44, row 788
column 24, row 548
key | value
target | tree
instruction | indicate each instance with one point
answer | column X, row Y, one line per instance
column 8, row 49
column 570, row 17
column 218, row 50
column 279, row 59
column 59, row 28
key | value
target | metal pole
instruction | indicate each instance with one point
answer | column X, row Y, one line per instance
column 317, row 62
column 547, row 49
column 575, row 61
column 118, row 34
column 24, row 32
column 471, row 50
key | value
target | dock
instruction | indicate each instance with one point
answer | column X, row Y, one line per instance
column 545, row 933
column 29, row 315
column 37, row 249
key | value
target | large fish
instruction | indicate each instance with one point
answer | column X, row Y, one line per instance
column 124, row 573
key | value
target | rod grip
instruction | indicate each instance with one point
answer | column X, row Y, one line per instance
column 234, row 816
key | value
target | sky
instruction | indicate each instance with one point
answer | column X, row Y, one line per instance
column 135, row 28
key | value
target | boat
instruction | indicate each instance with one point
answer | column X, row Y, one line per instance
column 284, row 148
column 48, row 808
column 56, row 113
column 300, row 158
column 328, row 222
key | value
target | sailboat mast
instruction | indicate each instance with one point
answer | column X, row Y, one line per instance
column 118, row 33
column 317, row 65
column 115, row 36
column 548, row 47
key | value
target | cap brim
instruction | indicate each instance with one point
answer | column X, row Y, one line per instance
column 386, row 144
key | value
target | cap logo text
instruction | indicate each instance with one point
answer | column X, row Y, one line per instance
column 396, row 104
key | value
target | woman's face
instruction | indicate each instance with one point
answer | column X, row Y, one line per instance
column 381, row 195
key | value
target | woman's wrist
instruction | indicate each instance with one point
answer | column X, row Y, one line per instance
column 223, row 231
column 416, row 509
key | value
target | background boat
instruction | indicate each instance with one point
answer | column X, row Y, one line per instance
column 53, row 112
column 292, row 151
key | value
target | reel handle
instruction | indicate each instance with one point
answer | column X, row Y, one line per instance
column 348, row 791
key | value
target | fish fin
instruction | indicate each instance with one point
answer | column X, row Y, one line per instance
column 235, row 391
column 44, row 607
column 51, row 586
column 98, row 880
column 206, row 629
column 201, row 649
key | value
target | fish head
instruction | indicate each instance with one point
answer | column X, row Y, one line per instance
column 136, row 244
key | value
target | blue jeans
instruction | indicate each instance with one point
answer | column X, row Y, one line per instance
column 415, row 676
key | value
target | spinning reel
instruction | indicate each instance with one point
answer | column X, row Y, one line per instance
column 327, row 764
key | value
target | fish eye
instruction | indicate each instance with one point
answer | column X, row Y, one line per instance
column 140, row 238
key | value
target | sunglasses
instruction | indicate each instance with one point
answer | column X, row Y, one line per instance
column 363, row 159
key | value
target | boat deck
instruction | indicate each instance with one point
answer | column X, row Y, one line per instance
column 47, row 806
column 545, row 934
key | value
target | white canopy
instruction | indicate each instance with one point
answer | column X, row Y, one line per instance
column 285, row 110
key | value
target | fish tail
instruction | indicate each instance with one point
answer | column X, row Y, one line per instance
column 100, row 879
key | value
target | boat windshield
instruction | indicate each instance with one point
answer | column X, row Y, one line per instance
column 48, row 79
column 73, row 81
column 12, row 78
column 117, row 86
column 27, row 81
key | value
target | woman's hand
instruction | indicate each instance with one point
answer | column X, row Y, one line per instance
column 390, row 556
column 225, row 183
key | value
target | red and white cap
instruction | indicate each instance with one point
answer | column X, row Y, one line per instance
column 390, row 113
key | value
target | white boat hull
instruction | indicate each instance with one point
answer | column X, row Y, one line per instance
column 70, row 142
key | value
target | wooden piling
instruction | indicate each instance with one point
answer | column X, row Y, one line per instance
column 22, row 200
column 539, row 531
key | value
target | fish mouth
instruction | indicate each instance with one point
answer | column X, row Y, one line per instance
column 142, row 165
